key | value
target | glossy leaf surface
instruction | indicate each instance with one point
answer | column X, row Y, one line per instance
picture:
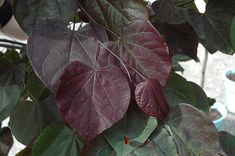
column 36, row 116
column 92, row 99
column 57, row 139
column 127, row 134
column 115, row 14
column 192, row 138
column 29, row 13
column 213, row 27
column 227, row 142
column 151, row 99
column 53, row 46
column 159, row 144
column 143, row 51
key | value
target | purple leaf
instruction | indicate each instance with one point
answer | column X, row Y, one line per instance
column 92, row 99
column 142, row 50
column 151, row 100
column 52, row 46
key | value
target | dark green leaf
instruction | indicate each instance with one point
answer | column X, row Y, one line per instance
column 99, row 147
column 36, row 115
column 213, row 27
column 29, row 13
column 227, row 142
column 6, row 141
column 9, row 97
column 115, row 14
column 194, row 133
column 131, row 132
column 159, row 144
column 34, row 86
column 179, row 90
column 201, row 102
column 232, row 36
column 57, row 139
column 25, row 152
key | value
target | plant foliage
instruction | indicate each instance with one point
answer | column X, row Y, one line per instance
column 98, row 78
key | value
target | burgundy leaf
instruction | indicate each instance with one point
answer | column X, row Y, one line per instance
column 92, row 99
column 52, row 46
column 143, row 51
column 151, row 100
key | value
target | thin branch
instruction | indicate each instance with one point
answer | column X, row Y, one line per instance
column 184, row 3
column 10, row 46
column 80, row 26
column 12, row 42
column 204, row 69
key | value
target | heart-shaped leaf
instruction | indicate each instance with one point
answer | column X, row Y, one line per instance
column 227, row 142
column 29, row 13
column 151, row 99
column 92, row 99
column 36, row 116
column 194, row 133
column 160, row 143
column 143, row 52
column 115, row 14
column 179, row 90
column 57, row 139
column 213, row 27
column 127, row 135
column 53, row 46
column 180, row 38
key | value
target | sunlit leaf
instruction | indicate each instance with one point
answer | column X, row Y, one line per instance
column 151, row 99
column 57, row 139
column 193, row 132
column 53, row 46
column 29, row 13
column 92, row 99
column 127, row 134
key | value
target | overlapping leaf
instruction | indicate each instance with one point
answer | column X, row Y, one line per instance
column 29, row 13
column 92, row 99
column 160, row 143
column 227, row 142
column 180, row 38
column 143, row 52
column 57, row 139
column 127, row 134
column 53, row 46
column 194, row 134
column 6, row 141
column 179, row 90
column 213, row 27
column 173, row 11
column 36, row 116
column 151, row 99
column 115, row 14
